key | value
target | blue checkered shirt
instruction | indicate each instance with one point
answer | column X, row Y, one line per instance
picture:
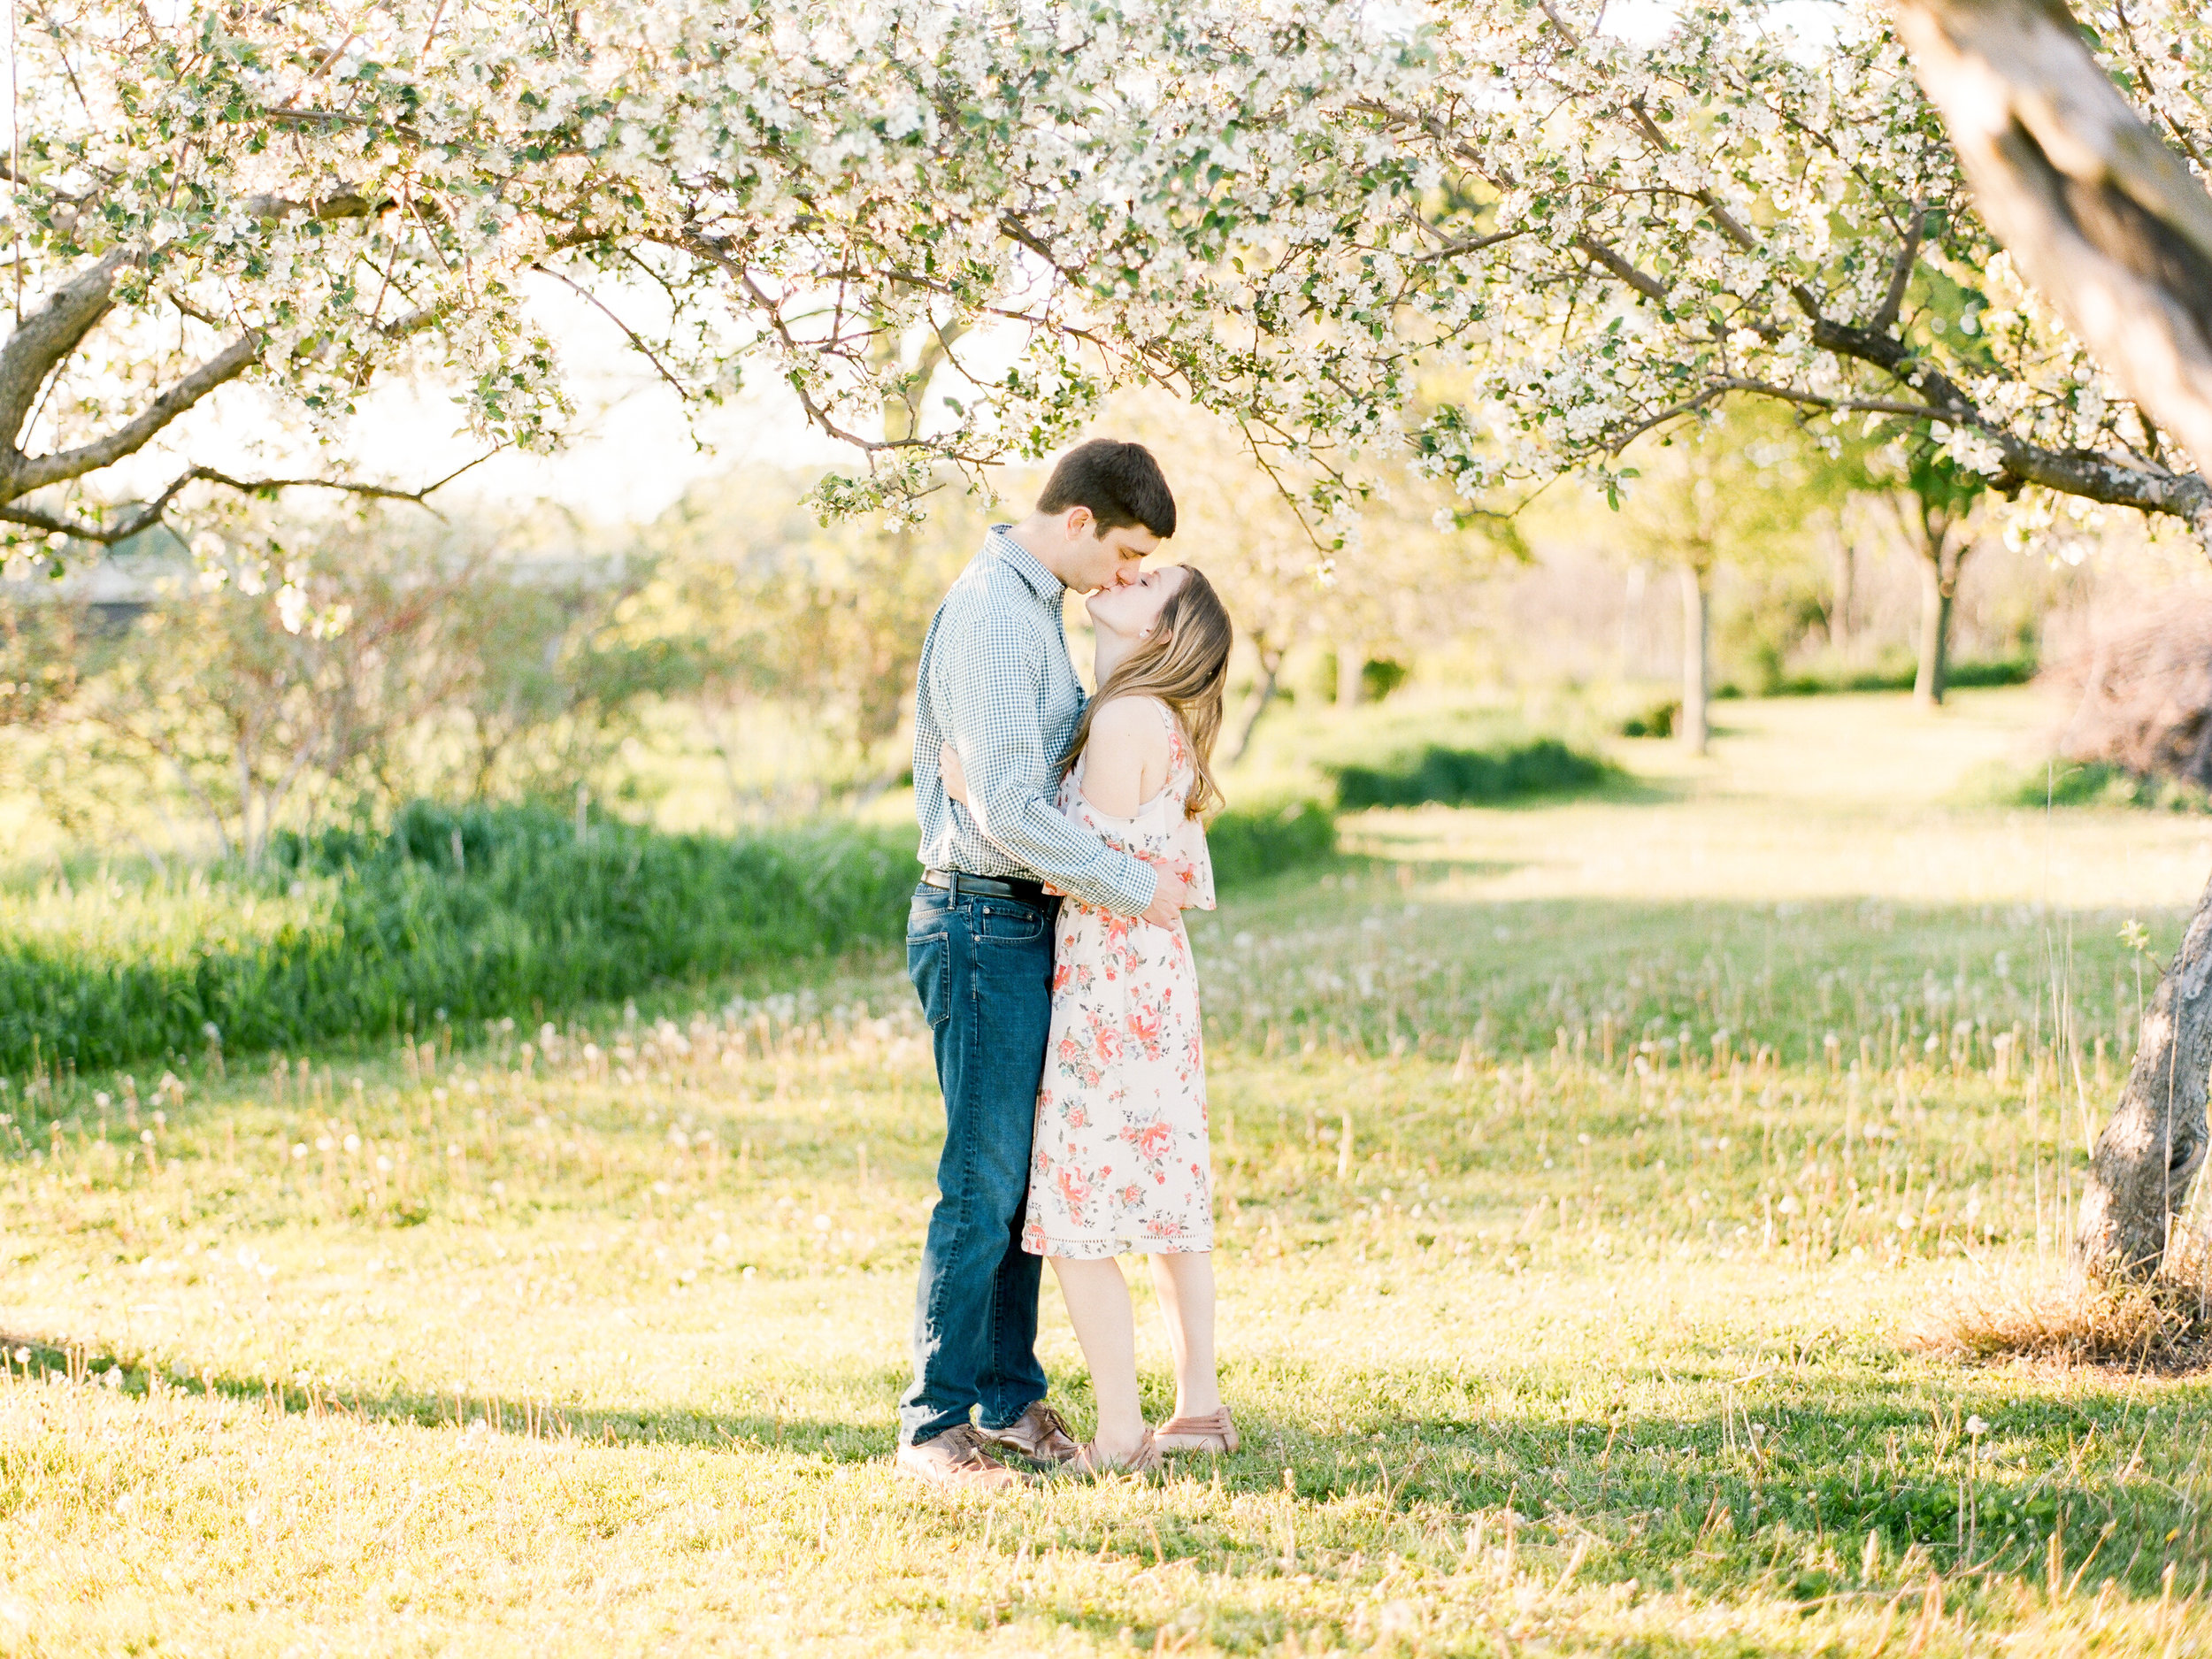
column 995, row 682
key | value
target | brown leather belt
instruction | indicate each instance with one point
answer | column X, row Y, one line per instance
column 958, row 882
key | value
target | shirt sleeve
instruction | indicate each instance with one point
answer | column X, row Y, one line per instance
column 987, row 683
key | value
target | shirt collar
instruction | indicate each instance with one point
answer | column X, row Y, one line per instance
column 1025, row 565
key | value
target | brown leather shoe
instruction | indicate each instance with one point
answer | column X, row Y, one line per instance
column 1039, row 1434
column 1212, row 1432
column 956, row 1461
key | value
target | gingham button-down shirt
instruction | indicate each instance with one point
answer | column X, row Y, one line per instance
column 996, row 684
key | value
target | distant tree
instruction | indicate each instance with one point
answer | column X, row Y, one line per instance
column 1741, row 488
column 777, row 610
column 1936, row 510
column 547, row 680
column 219, row 705
column 40, row 644
column 346, row 666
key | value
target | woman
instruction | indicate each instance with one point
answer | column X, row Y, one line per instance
column 1120, row 1165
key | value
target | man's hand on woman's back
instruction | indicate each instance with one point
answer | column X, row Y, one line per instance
column 1168, row 900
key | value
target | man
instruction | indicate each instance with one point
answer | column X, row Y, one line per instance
column 996, row 683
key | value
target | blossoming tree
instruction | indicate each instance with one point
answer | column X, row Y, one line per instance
column 1288, row 213
column 1299, row 214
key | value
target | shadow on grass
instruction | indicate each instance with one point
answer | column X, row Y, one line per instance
column 53, row 1360
column 1786, row 1489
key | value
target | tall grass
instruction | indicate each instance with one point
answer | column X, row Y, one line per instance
column 459, row 913
column 471, row 911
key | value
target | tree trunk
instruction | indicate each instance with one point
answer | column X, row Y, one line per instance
column 1697, row 615
column 1936, row 598
column 1350, row 659
column 2113, row 226
column 1846, row 595
column 2151, row 1151
column 1632, row 625
column 1255, row 705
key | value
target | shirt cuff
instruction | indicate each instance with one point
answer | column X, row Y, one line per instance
column 1138, row 891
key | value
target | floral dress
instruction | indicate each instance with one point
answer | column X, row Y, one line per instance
column 1121, row 1162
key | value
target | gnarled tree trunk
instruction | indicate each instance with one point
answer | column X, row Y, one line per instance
column 2109, row 223
column 2151, row 1151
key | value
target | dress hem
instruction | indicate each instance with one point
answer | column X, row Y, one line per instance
column 1099, row 1249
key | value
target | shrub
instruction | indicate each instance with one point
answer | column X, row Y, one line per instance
column 2004, row 671
column 1378, row 677
column 1248, row 846
column 2083, row 783
column 1469, row 777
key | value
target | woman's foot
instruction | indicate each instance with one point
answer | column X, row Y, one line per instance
column 1199, row 1431
column 1092, row 1460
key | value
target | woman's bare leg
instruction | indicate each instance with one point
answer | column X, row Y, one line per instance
column 1097, row 1297
column 1184, row 1285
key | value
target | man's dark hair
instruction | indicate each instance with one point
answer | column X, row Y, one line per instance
column 1120, row 482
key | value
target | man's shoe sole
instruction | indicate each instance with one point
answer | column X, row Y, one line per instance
column 1014, row 1481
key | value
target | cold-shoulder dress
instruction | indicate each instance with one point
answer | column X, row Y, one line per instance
column 1121, row 1162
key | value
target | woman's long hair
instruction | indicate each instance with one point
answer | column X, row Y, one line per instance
column 1185, row 664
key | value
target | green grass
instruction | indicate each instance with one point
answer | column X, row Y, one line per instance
column 460, row 914
column 1591, row 1340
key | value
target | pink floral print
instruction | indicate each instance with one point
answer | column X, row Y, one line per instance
column 1121, row 1162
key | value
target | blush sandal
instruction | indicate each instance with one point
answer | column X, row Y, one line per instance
column 1143, row 1461
column 1206, row 1431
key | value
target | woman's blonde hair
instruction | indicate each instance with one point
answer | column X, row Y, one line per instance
column 1185, row 664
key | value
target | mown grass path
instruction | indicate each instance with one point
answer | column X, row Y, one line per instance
column 1592, row 1339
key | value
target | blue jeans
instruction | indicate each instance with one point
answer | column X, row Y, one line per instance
column 983, row 967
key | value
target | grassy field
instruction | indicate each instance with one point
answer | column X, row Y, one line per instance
column 1586, row 1171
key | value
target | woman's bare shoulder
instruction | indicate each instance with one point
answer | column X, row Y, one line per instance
column 1131, row 717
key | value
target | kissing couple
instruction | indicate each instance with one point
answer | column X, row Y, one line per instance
column 1061, row 839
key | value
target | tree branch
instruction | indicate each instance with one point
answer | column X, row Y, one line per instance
column 48, row 335
column 2098, row 213
column 628, row 333
column 147, row 514
column 26, row 473
column 1650, row 287
column 1901, row 273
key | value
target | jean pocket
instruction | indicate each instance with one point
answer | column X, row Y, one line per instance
column 928, row 963
column 1009, row 923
